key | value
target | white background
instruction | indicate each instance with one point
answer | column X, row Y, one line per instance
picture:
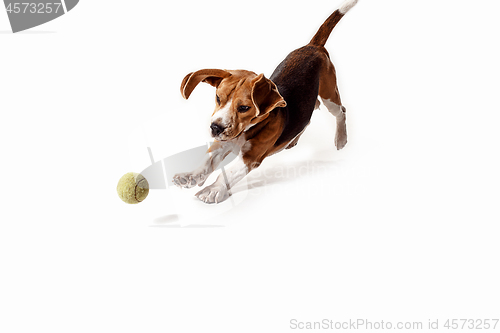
column 401, row 225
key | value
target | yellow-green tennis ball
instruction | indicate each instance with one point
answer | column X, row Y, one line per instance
column 132, row 188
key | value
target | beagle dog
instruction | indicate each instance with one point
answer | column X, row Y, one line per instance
column 256, row 117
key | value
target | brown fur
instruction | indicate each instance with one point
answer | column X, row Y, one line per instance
column 328, row 88
column 326, row 29
column 241, row 88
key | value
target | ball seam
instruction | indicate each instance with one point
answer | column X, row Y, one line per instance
column 135, row 193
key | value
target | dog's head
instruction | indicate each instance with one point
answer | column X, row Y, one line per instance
column 242, row 99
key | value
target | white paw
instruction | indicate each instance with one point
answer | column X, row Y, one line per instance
column 340, row 140
column 341, row 134
column 214, row 193
column 189, row 179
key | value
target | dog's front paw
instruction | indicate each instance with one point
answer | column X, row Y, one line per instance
column 189, row 179
column 214, row 193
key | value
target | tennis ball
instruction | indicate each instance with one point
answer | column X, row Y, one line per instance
column 132, row 188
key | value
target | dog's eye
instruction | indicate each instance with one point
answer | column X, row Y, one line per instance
column 243, row 108
column 218, row 99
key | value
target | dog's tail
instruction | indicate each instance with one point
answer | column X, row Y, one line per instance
column 326, row 29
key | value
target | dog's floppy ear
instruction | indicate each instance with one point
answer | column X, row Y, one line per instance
column 265, row 95
column 210, row 76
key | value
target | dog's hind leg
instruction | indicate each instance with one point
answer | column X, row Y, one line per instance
column 329, row 93
column 339, row 112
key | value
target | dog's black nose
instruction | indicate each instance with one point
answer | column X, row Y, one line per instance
column 216, row 129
